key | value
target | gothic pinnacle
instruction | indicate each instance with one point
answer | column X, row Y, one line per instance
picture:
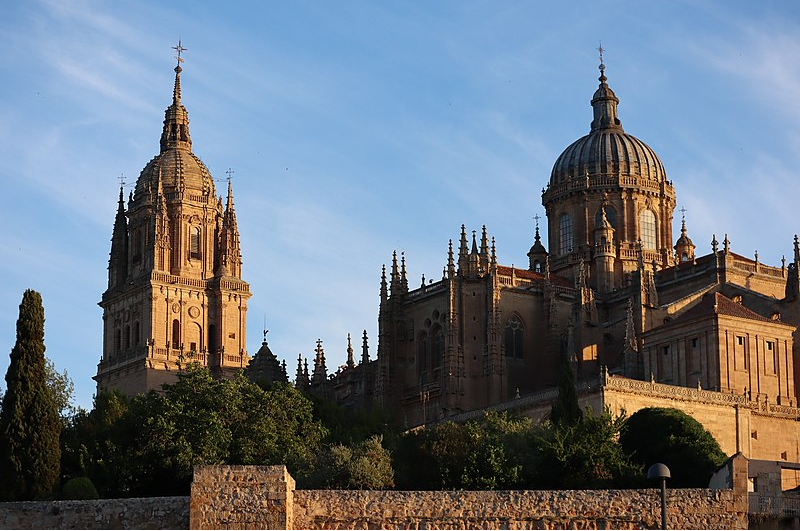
column 350, row 361
column 364, row 349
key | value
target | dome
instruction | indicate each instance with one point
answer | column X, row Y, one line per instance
column 607, row 149
column 176, row 167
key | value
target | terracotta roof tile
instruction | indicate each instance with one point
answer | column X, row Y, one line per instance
column 532, row 275
column 719, row 304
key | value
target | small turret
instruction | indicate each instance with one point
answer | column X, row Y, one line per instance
column 684, row 248
column 538, row 254
column 604, row 254
column 229, row 250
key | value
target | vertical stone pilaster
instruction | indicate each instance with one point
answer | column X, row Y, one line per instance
column 241, row 497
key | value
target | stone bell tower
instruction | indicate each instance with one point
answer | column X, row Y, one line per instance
column 175, row 291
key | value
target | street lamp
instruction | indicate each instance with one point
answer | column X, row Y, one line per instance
column 660, row 471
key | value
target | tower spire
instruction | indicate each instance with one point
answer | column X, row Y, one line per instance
column 118, row 259
column 176, row 120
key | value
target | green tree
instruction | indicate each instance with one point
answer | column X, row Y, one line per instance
column 670, row 436
column 363, row 465
column 481, row 455
column 63, row 389
column 565, row 408
column 200, row 420
column 98, row 445
column 583, row 455
column 29, row 422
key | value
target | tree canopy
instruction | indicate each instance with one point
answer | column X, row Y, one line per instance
column 670, row 436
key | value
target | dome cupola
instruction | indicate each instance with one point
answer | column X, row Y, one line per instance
column 608, row 179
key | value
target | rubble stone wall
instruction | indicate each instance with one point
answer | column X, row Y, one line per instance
column 129, row 513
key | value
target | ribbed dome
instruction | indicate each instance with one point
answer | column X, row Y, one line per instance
column 176, row 167
column 607, row 151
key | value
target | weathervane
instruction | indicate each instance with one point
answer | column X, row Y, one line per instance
column 180, row 49
column 121, row 180
column 683, row 213
column 230, row 172
column 536, row 217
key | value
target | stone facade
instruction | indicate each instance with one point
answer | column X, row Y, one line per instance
column 175, row 290
column 130, row 513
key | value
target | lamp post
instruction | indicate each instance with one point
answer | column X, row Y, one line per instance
column 661, row 472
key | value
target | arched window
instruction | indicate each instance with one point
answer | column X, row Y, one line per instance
column 176, row 334
column 212, row 339
column 565, row 234
column 136, row 334
column 515, row 338
column 138, row 246
column 437, row 348
column 127, row 337
column 611, row 216
column 117, row 341
column 422, row 352
column 647, row 226
column 194, row 242
column 537, row 267
column 684, row 257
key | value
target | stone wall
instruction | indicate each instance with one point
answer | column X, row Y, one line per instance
column 131, row 513
column 599, row 509
column 250, row 497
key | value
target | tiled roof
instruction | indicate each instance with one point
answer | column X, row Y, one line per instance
column 717, row 303
column 532, row 275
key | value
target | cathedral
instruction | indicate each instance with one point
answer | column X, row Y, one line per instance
column 641, row 319
column 175, row 290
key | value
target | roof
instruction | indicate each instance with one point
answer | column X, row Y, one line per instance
column 718, row 304
column 533, row 275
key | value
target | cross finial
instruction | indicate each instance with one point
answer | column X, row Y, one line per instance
column 180, row 49
column 536, row 217
column 121, row 179
column 683, row 213
column 230, row 172
column 602, row 64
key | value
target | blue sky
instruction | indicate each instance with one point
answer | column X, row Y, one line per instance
column 356, row 128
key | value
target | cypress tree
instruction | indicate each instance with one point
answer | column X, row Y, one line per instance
column 565, row 409
column 29, row 423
